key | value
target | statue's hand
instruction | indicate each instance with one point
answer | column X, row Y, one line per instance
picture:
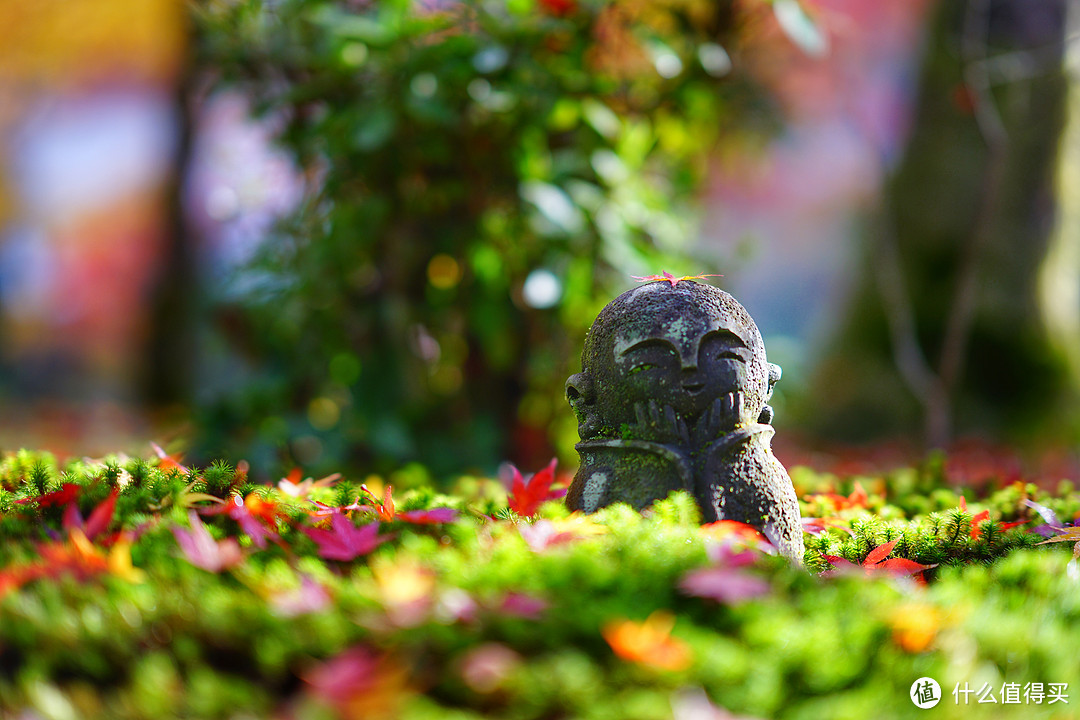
column 720, row 418
column 659, row 424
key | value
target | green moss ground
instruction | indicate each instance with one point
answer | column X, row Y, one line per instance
column 493, row 615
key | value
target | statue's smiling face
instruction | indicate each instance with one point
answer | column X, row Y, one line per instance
column 686, row 363
column 682, row 347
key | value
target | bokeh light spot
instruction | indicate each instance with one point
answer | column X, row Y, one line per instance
column 668, row 64
column 354, row 54
column 714, row 59
column 424, row 85
column 323, row 413
column 542, row 289
column 443, row 272
column 345, row 369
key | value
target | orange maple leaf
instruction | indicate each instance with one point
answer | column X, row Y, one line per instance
column 648, row 642
column 266, row 510
column 166, row 461
column 915, row 626
column 385, row 510
column 668, row 277
column 857, row 499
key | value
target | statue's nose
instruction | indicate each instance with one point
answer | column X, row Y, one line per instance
column 692, row 380
column 579, row 388
column 689, row 358
column 688, row 355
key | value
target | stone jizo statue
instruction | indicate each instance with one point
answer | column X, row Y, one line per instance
column 672, row 396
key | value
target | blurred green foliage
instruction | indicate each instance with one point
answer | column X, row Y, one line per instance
column 456, row 152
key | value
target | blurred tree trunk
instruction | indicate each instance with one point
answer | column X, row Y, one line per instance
column 166, row 377
column 1059, row 278
column 946, row 334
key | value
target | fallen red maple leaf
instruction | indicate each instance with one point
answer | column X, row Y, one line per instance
column 728, row 531
column 875, row 562
column 66, row 493
column 1011, row 525
column 526, row 495
column 100, row 516
column 77, row 556
column 559, row 8
column 976, row 531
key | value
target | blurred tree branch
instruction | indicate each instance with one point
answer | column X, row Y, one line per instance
column 1059, row 276
column 951, row 302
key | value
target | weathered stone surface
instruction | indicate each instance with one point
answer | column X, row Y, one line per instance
column 672, row 396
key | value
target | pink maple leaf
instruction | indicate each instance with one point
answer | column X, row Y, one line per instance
column 668, row 277
column 311, row 596
column 522, row 605
column 360, row 683
column 435, row 516
column 201, row 550
column 345, row 541
column 817, row 526
column 241, row 511
column 525, row 496
column 292, row 486
column 723, row 584
column 542, row 534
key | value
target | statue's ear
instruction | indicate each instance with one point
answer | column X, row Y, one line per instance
column 580, row 389
column 775, row 371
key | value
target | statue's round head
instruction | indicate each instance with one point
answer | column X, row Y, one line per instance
column 682, row 346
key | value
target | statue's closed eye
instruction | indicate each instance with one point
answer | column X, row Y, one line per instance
column 641, row 366
column 650, row 354
column 723, row 345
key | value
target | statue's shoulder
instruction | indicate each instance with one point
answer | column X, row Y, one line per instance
column 638, row 472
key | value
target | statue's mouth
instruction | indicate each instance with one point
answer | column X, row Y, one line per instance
column 694, row 388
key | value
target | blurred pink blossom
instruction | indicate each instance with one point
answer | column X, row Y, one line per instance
column 201, row 550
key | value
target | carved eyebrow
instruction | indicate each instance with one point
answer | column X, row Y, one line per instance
column 651, row 342
column 725, row 335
